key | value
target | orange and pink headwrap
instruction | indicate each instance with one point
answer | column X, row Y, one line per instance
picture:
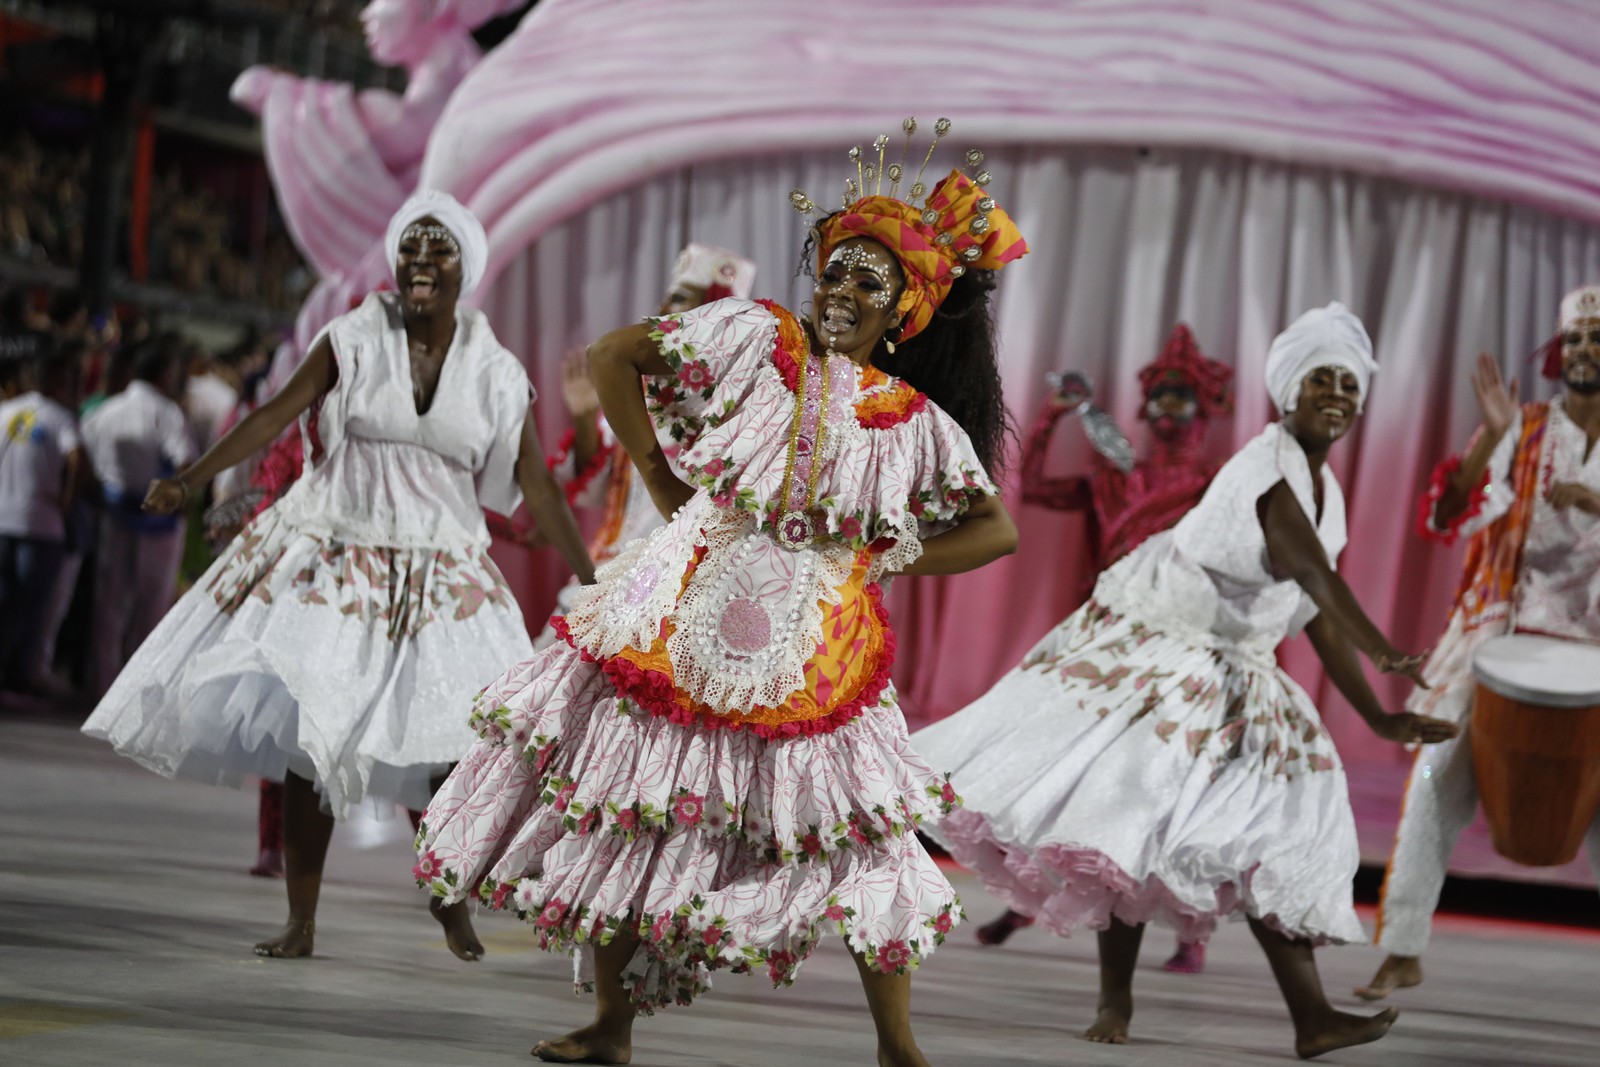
column 958, row 227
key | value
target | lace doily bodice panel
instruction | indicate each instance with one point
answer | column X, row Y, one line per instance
column 389, row 476
column 889, row 459
column 1211, row 573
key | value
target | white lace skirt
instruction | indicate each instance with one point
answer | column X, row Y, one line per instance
column 1122, row 772
column 350, row 665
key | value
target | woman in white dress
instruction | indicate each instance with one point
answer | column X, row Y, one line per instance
column 1149, row 759
column 334, row 643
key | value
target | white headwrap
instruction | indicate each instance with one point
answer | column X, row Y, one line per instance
column 462, row 224
column 1322, row 337
column 706, row 266
column 1581, row 303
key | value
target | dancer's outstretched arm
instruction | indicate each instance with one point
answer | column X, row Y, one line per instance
column 1338, row 655
column 1297, row 555
column 254, row 432
column 548, row 504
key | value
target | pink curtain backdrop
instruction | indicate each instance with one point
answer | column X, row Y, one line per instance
column 1432, row 163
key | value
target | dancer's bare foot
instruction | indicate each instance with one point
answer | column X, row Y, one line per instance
column 594, row 1043
column 292, row 943
column 909, row 1056
column 269, row 863
column 1189, row 959
column 997, row 931
column 1396, row 972
column 1341, row 1030
column 1110, row 1026
column 458, row 932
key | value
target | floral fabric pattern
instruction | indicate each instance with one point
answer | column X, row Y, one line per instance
column 586, row 815
column 400, row 590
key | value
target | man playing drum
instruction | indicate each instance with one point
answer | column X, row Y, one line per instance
column 1527, row 493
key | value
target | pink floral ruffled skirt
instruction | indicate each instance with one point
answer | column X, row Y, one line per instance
column 588, row 816
column 1124, row 772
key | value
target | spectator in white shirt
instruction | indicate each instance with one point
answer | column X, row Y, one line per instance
column 134, row 438
column 40, row 463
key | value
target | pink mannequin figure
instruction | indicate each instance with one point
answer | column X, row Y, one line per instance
column 344, row 159
column 1183, row 391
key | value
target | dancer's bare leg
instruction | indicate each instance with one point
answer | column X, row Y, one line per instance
column 306, row 830
column 996, row 931
column 455, row 918
column 889, row 1000
column 1395, row 972
column 609, row 1039
column 1318, row 1028
column 1189, row 958
column 1119, row 955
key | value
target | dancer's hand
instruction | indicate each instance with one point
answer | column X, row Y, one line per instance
column 1393, row 661
column 668, row 493
column 166, row 495
column 1565, row 495
column 1497, row 402
column 1408, row 728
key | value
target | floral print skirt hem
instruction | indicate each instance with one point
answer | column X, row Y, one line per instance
column 716, row 848
column 1126, row 771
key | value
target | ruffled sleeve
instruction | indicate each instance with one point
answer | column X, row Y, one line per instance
column 716, row 352
column 585, row 488
column 505, row 403
column 1489, row 501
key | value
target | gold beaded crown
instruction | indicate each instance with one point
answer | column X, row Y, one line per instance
column 935, row 239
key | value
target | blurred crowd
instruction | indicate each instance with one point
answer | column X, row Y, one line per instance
column 90, row 413
column 196, row 243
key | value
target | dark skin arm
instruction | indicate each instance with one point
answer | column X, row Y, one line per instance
column 1341, row 628
column 982, row 535
column 616, row 363
column 254, row 432
column 548, row 504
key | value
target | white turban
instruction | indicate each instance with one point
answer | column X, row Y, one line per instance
column 708, row 268
column 1582, row 303
column 462, row 224
column 1322, row 337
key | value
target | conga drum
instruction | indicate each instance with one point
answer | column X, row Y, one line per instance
column 1536, row 744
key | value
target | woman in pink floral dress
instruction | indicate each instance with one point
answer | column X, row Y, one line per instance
column 1149, row 759
column 711, row 769
column 326, row 645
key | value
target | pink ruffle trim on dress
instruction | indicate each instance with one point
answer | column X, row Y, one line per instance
column 655, row 692
column 580, row 479
column 1430, row 501
column 1069, row 888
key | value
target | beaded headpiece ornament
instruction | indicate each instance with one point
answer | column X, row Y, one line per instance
column 1182, row 363
column 957, row 228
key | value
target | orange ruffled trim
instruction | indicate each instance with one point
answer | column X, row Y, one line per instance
column 862, row 650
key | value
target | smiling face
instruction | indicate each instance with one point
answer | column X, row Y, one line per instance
column 1580, row 356
column 1330, row 400
column 428, row 267
column 855, row 296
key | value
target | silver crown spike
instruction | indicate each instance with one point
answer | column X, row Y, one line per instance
column 801, row 202
column 940, row 128
column 895, row 170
